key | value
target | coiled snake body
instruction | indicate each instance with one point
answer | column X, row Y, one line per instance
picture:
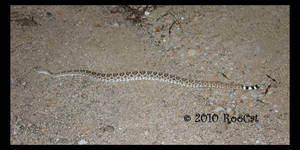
column 149, row 75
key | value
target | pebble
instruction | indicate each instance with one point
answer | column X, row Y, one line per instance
column 257, row 141
column 175, row 54
column 254, row 96
column 147, row 13
column 49, row 14
column 157, row 28
column 219, row 108
column 146, row 133
column 231, row 95
column 229, row 110
column 205, row 55
column 181, row 54
column 82, row 142
column 84, row 96
column 258, row 125
column 116, row 25
column 107, row 129
column 171, row 44
column 191, row 52
column 201, row 68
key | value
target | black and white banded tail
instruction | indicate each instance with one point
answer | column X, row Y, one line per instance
column 248, row 88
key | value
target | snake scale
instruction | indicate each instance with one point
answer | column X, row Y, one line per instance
column 149, row 75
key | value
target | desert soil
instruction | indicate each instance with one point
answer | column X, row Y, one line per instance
column 240, row 44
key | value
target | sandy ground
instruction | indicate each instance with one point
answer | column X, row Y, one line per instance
column 240, row 44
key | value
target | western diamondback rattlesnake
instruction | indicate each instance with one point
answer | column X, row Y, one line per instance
column 149, row 75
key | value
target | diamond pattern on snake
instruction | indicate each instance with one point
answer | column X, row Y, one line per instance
column 149, row 75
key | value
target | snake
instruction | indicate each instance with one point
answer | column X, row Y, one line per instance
column 149, row 75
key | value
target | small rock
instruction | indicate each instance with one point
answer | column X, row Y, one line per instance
column 107, row 128
column 191, row 52
column 49, row 14
column 254, row 96
column 116, row 25
column 205, row 55
column 219, row 108
column 157, row 28
column 231, row 95
column 175, row 54
column 257, row 141
column 147, row 13
column 171, row 44
column 258, row 125
column 146, row 133
column 81, row 142
column 201, row 68
column 228, row 110
column 181, row 54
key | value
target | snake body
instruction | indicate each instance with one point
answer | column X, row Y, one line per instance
column 149, row 75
